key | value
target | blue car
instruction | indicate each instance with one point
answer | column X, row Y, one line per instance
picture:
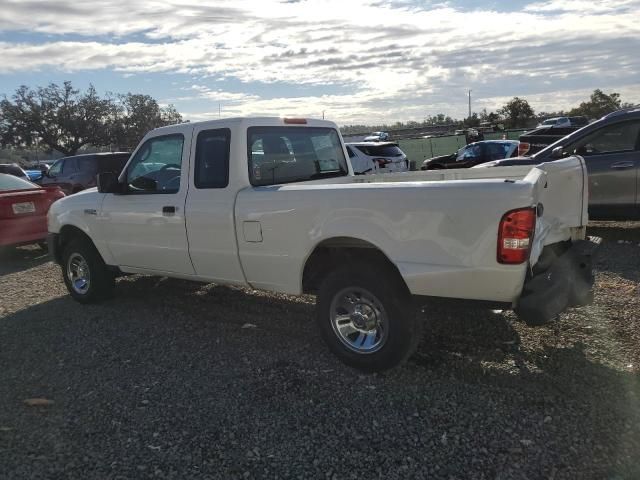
column 34, row 175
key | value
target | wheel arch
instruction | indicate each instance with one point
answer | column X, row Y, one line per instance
column 338, row 251
column 67, row 234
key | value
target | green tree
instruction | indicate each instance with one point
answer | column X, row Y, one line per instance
column 491, row 117
column 517, row 113
column 472, row 121
column 60, row 117
column 64, row 119
column 439, row 119
column 599, row 104
column 135, row 115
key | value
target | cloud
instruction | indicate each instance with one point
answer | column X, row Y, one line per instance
column 397, row 59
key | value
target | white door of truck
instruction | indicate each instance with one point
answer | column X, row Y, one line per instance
column 145, row 225
column 210, row 205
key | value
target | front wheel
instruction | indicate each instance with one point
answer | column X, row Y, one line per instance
column 367, row 317
column 85, row 274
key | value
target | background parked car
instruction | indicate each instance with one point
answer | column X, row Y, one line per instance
column 579, row 121
column 557, row 122
column 73, row 174
column 377, row 137
column 23, row 210
column 377, row 157
column 13, row 169
column 611, row 149
column 540, row 138
column 546, row 134
column 474, row 154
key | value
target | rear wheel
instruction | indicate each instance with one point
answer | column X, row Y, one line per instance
column 85, row 273
column 367, row 317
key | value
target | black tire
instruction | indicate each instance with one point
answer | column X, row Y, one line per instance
column 100, row 280
column 404, row 326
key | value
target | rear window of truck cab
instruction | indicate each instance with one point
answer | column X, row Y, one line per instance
column 294, row 154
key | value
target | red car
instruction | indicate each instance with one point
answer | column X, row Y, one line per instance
column 23, row 210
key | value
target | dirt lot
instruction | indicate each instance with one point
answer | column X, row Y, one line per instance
column 167, row 380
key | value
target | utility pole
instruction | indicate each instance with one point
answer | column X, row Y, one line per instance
column 469, row 104
column 219, row 110
column 323, row 114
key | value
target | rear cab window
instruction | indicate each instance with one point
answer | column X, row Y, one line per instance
column 294, row 154
column 380, row 150
column 212, row 158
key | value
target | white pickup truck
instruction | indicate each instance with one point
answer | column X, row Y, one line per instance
column 273, row 204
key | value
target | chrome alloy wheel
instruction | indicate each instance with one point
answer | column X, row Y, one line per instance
column 78, row 273
column 359, row 320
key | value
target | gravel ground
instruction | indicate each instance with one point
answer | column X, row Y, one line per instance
column 178, row 380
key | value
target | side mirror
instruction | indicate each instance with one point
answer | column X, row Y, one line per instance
column 557, row 153
column 44, row 169
column 108, row 183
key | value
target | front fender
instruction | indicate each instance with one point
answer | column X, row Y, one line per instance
column 80, row 211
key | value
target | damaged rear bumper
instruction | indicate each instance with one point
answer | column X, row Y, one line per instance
column 559, row 281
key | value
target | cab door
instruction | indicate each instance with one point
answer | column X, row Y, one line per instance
column 144, row 226
column 613, row 160
column 211, row 204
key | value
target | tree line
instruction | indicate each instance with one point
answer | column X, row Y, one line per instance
column 516, row 113
column 65, row 119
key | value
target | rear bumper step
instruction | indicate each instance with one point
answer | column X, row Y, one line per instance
column 568, row 282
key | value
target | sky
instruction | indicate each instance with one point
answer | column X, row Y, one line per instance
column 355, row 61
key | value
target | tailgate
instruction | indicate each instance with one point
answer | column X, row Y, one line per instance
column 561, row 193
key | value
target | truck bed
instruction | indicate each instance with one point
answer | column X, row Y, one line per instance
column 438, row 227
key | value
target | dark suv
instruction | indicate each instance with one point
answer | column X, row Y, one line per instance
column 76, row 173
column 611, row 150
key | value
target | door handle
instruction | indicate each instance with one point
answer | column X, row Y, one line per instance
column 622, row 165
column 168, row 209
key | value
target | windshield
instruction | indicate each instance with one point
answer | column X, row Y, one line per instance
column 469, row 152
column 293, row 154
column 9, row 182
column 551, row 121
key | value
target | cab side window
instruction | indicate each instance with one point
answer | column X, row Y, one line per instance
column 70, row 167
column 212, row 158
column 620, row 137
column 157, row 165
column 56, row 168
column 86, row 164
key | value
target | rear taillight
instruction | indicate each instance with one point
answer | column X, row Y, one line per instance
column 523, row 148
column 515, row 234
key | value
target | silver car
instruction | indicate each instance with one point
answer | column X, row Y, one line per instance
column 377, row 157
